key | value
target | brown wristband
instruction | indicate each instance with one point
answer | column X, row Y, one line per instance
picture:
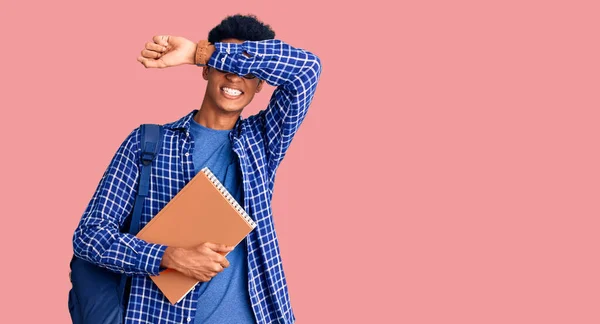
column 204, row 51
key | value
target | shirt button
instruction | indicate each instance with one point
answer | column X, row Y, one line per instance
column 228, row 52
column 189, row 319
column 223, row 60
column 187, row 154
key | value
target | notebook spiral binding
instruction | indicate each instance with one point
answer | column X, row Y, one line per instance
column 228, row 196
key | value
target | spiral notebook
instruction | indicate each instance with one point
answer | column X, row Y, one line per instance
column 203, row 211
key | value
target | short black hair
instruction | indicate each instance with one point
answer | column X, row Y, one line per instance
column 242, row 27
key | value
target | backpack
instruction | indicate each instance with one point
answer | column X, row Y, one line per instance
column 98, row 295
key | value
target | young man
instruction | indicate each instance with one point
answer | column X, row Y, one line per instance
column 249, row 285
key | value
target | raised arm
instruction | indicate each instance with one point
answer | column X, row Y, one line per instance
column 295, row 73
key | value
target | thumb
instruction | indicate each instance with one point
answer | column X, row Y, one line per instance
column 220, row 248
column 152, row 63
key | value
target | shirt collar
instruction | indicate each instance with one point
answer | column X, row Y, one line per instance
column 184, row 123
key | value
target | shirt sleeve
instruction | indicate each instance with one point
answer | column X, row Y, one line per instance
column 295, row 72
column 97, row 238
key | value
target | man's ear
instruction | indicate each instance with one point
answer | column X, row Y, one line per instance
column 205, row 72
column 259, row 86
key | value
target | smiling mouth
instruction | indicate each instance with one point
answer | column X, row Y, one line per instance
column 230, row 92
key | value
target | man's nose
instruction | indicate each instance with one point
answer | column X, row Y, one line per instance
column 233, row 77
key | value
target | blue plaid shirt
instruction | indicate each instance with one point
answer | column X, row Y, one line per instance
column 260, row 142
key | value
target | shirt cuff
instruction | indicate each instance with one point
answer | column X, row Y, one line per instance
column 149, row 256
column 225, row 56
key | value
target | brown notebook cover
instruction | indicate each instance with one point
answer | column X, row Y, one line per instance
column 203, row 211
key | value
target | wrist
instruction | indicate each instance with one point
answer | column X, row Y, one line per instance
column 169, row 258
column 204, row 51
column 191, row 57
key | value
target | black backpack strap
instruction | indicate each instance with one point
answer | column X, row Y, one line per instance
column 151, row 142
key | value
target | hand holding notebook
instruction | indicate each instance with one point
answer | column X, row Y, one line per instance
column 203, row 211
column 201, row 262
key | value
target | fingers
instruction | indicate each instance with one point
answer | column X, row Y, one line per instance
column 202, row 277
column 213, row 271
column 206, row 277
column 217, row 254
column 221, row 261
column 208, row 272
column 153, row 47
column 206, row 262
column 224, row 262
column 152, row 52
column 161, row 40
column 216, row 268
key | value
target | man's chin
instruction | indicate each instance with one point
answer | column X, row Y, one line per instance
column 231, row 110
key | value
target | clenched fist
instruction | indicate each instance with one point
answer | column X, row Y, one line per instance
column 165, row 51
column 201, row 263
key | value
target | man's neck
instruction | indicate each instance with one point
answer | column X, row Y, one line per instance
column 211, row 118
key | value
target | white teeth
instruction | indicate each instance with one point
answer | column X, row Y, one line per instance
column 232, row 92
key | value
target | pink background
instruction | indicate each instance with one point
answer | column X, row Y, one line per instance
column 447, row 172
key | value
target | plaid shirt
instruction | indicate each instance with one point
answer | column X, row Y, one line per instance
column 260, row 142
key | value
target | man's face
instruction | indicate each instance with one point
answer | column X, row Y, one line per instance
column 229, row 92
